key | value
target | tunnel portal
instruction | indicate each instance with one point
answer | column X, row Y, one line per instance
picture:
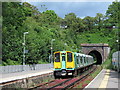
column 97, row 56
column 99, row 51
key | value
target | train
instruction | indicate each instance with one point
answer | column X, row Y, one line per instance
column 116, row 61
column 71, row 63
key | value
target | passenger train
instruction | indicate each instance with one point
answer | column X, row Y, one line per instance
column 116, row 61
column 70, row 63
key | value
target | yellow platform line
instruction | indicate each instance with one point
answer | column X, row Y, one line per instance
column 105, row 80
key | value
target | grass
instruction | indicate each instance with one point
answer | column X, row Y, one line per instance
column 107, row 64
column 93, row 38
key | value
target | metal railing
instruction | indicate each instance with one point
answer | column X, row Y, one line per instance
column 20, row 68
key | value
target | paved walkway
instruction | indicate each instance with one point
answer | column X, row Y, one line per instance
column 21, row 75
column 105, row 79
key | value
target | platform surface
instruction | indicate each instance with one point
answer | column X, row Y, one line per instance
column 24, row 74
column 106, row 79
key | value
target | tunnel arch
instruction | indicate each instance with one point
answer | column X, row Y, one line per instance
column 97, row 56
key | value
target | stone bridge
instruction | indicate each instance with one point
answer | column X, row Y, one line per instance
column 99, row 51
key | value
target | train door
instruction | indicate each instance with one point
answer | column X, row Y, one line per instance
column 77, row 61
column 81, row 61
column 63, row 60
column 70, row 60
column 83, row 58
column 57, row 60
column 87, row 60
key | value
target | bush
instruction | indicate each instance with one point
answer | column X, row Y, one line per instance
column 107, row 64
column 10, row 62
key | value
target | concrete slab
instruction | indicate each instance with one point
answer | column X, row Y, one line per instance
column 113, row 80
column 108, row 79
column 105, row 79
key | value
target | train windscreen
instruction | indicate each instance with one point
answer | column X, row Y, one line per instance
column 69, row 57
column 57, row 57
column 63, row 58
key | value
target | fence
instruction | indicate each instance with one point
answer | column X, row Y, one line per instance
column 20, row 68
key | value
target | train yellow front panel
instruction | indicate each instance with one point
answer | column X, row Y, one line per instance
column 57, row 65
column 70, row 63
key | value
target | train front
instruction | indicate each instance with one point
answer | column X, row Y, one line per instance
column 63, row 63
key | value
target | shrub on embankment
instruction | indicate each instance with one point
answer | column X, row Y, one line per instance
column 107, row 64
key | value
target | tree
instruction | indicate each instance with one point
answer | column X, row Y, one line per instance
column 99, row 21
column 113, row 13
column 89, row 23
column 74, row 23
column 113, row 19
column 48, row 17
column 13, row 18
column 30, row 9
column 70, row 20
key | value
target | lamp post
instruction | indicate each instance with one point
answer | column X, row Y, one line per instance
column 52, row 50
column 24, row 49
column 118, row 55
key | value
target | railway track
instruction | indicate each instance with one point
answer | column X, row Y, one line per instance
column 65, row 83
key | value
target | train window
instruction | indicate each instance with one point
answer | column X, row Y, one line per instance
column 77, row 58
column 57, row 57
column 81, row 59
column 88, row 60
column 69, row 57
column 84, row 60
column 63, row 58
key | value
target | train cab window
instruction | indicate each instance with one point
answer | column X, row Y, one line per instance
column 57, row 57
column 69, row 57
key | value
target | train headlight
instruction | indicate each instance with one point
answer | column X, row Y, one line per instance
column 69, row 67
column 57, row 67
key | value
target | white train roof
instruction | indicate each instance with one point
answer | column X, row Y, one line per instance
column 80, row 54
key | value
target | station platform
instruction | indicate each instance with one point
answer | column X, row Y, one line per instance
column 25, row 74
column 106, row 79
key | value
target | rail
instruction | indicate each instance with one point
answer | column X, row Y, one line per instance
column 65, row 83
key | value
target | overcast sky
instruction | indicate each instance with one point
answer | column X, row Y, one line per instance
column 81, row 9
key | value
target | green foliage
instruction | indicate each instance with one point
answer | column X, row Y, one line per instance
column 107, row 64
column 10, row 62
column 45, row 26
column 113, row 13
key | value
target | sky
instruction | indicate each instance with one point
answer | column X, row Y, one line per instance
column 81, row 9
